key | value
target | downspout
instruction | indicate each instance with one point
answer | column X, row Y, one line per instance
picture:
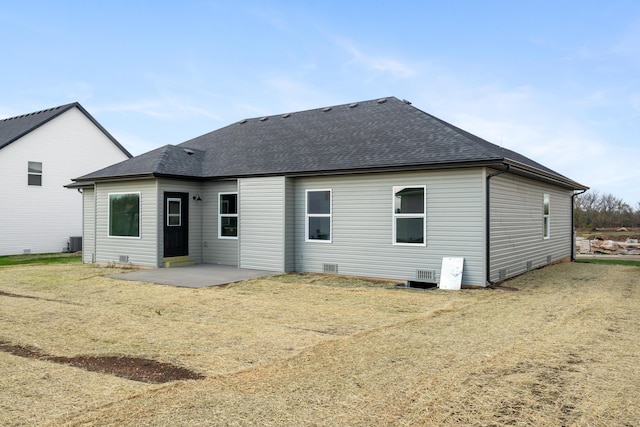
column 573, row 238
column 488, row 223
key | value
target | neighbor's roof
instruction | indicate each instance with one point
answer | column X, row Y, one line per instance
column 14, row 128
column 382, row 134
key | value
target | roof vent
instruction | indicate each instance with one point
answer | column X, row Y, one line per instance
column 286, row 116
column 354, row 105
column 406, row 102
column 382, row 100
column 326, row 109
column 189, row 151
column 241, row 122
column 264, row 119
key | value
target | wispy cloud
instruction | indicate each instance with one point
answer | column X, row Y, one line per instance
column 377, row 63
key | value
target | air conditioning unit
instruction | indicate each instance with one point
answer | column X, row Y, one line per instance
column 75, row 244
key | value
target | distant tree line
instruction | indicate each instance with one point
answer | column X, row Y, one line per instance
column 595, row 210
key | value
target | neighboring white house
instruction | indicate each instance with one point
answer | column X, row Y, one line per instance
column 375, row 188
column 39, row 153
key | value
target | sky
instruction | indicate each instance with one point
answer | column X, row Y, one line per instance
column 557, row 81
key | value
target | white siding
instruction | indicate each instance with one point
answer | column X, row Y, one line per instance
column 516, row 206
column 195, row 215
column 363, row 225
column 217, row 251
column 42, row 218
column 140, row 251
column 89, row 225
column 262, row 223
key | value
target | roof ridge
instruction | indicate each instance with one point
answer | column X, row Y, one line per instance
column 46, row 110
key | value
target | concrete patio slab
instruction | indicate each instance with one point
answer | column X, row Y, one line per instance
column 195, row 276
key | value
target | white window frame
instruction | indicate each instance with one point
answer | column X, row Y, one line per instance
column 307, row 215
column 139, row 215
column 29, row 174
column 395, row 215
column 546, row 216
column 221, row 215
column 170, row 215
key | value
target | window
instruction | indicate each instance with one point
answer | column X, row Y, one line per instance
column 228, row 215
column 546, row 217
column 124, row 215
column 34, row 176
column 409, row 206
column 318, row 216
column 174, row 210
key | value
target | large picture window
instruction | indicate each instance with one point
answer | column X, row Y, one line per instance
column 318, row 216
column 124, row 215
column 409, row 217
column 228, row 215
column 546, row 217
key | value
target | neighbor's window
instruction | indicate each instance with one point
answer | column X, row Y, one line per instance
column 318, row 216
column 228, row 215
column 124, row 215
column 546, row 218
column 34, row 173
column 409, row 217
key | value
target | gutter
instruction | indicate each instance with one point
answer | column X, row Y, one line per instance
column 573, row 238
column 488, row 223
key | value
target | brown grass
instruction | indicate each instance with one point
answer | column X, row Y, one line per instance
column 311, row 350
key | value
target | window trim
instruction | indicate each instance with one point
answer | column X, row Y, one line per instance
column 139, row 236
column 546, row 216
column 307, row 215
column 221, row 215
column 395, row 215
column 170, row 215
column 30, row 174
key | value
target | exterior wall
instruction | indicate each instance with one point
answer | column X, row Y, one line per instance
column 262, row 223
column 216, row 250
column 139, row 251
column 88, row 225
column 41, row 219
column 195, row 215
column 362, row 231
column 516, row 205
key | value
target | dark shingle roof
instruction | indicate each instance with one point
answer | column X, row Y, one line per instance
column 14, row 128
column 372, row 135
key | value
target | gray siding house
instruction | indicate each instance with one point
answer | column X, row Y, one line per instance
column 376, row 188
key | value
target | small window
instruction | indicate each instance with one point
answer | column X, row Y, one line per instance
column 124, row 215
column 228, row 215
column 409, row 217
column 546, row 217
column 174, row 212
column 34, row 176
column 318, row 216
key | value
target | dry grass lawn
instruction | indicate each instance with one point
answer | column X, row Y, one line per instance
column 303, row 350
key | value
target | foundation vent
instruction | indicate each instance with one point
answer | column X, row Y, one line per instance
column 330, row 268
column 123, row 258
column 426, row 275
column 502, row 274
column 548, row 259
column 529, row 265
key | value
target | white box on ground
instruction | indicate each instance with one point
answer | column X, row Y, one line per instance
column 451, row 273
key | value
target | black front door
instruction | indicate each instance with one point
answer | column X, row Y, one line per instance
column 176, row 224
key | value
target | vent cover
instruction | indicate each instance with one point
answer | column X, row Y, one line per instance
column 426, row 275
column 502, row 274
column 330, row 268
column 548, row 259
column 529, row 265
column 123, row 258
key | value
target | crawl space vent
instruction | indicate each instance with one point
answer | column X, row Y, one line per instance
column 502, row 274
column 548, row 259
column 330, row 268
column 529, row 265
column 426, row 275
column 123, row 258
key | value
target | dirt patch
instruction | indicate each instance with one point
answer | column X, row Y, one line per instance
column 132, row 368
